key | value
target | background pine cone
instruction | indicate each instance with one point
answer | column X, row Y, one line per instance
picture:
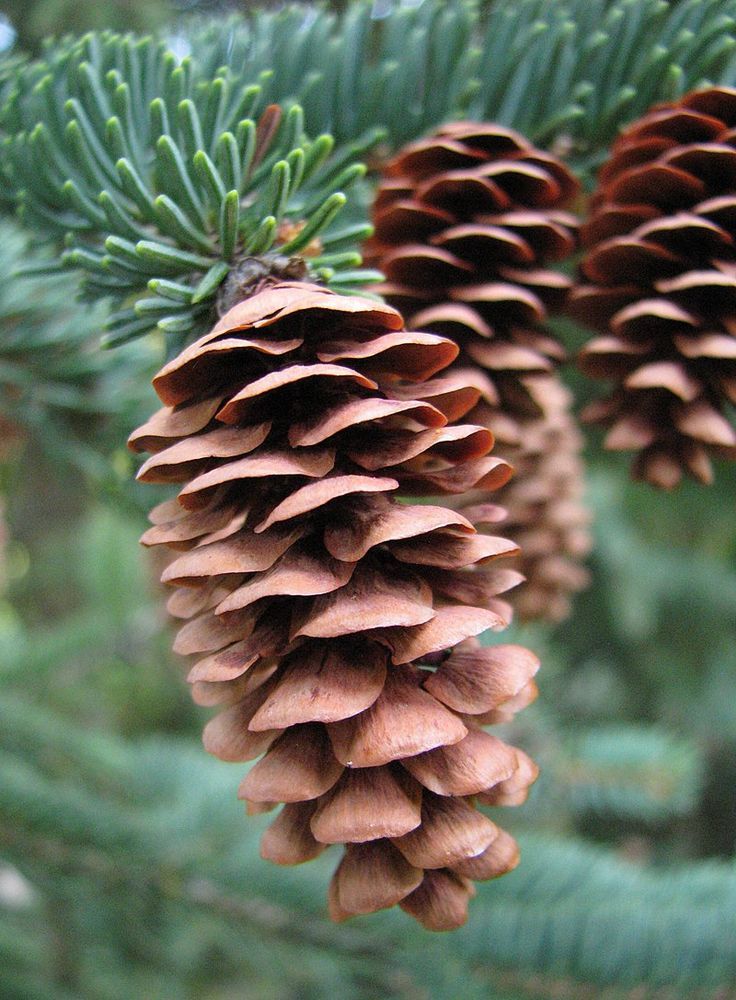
column 661, row 273
column 547, row 515
column 465, row 222
column 335, row 623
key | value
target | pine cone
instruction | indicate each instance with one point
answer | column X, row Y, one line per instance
column 662, row 265
column 465, row 222
column 334, row 622
column 547, row 516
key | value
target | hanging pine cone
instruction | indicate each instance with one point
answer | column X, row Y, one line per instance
column 547, row 516
column 334, row 622
column 465, row 222
column 661, row 263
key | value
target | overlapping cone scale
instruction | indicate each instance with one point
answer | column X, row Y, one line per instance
column 466, row 223
column 659, row 286
column 333, row 622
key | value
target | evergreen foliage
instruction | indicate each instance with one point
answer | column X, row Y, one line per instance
column 128, row 842
column 568, row 72
column 160, row 180
column 33, row 22
column 629, row 772
column 60, row 397
column 146, row 836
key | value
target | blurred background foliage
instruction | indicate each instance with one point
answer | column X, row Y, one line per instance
column 33, row 22
column 126, row 867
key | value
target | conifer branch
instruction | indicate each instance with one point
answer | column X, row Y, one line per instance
column 58, row 393
column 667, row 928
column 569, row 73
column 162, row 182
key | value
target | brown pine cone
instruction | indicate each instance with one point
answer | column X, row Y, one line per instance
column 333, row 621
column 465, row 222
column 547, row 515
column 661, row 267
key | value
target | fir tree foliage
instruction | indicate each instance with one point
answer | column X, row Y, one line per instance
column 35, row 21
column 153, row 825
column 631, row 774
column 153, row 169
column 140, row 877
column 568, row 72
column 12, row 65
column 144, row 836
column 60, row 397
column 352, row 71
column 161, row 181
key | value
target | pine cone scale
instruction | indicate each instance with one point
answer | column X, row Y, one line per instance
column 369, row 803
column 299, row 765
column 323, row 684
column 402, row 722
column 372, row 876
column 289, row 839
column 472, row 765
column 450, row 831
